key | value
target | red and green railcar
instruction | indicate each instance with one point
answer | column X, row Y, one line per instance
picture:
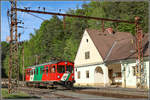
column 50, row 74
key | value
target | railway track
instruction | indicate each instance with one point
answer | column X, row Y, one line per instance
column 44, row 93
column 62, row 92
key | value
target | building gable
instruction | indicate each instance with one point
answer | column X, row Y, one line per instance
column 87, row 52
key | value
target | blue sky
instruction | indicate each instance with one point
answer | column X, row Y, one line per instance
column 31, row 22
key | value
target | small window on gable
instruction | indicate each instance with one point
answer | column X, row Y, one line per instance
column 87, row 40
column 87, row 55
column 87, row 74
column 78, row 74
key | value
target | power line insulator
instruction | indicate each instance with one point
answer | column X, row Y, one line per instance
column 38, row 8
column 44, row 8
column 59, row 10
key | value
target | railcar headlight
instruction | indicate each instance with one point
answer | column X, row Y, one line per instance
column 72, row 76
column 58, row 76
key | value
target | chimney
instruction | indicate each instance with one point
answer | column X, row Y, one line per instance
column 110, row 30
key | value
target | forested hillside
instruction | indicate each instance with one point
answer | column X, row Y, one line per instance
column 53, row 42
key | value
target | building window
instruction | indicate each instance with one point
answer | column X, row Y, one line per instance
column 79, row 75
column 76, row 69
column 87, row 74
column 98, row 70
column 87, row 55
column 134, row 70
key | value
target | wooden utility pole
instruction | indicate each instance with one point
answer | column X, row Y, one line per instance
column 23, row 63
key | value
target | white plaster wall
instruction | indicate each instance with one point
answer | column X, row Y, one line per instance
column 147, row 70
column 83, row 78
column 92, row 77
column 84, row 47
column 130, row 78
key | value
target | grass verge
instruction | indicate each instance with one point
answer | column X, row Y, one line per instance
column 5, row 95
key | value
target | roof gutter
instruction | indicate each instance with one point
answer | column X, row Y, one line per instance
column 110, row 51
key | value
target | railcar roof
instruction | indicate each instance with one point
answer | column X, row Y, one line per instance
column 53, row 62
column 42, row 64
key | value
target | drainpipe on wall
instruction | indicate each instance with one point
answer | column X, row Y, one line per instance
column 124, row 69
column 124, row 74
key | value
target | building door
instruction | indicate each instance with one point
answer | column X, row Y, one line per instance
column 110, row 74
column 98, row 76
column 110, row 71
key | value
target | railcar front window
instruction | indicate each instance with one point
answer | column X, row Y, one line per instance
column 61, row 69
column 46, row 70
column 28, row 72
column 69, row 68
column 31, row 72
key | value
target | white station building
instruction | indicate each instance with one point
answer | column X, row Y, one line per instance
column 109, row 58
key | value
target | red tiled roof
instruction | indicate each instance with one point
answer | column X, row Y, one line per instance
column 118, row 46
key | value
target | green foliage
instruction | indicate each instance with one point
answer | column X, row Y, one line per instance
column 52, row 42
column 20, row 95
column 4, row 57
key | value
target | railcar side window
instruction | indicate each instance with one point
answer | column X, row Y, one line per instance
column 53, row 69
column 36, row 71
column 50, row 69
column 40, row 70
column 69, row 68
column 61, row 69
column 43, row 70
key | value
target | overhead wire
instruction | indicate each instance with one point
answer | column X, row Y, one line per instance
column 36, row 16
column 20, row 5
